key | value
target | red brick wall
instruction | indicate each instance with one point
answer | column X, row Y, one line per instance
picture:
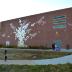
column 43, row 26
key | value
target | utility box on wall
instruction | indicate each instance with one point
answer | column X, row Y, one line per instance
column 38, row 30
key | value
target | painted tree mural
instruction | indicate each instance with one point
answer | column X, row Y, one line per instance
column 23, row 32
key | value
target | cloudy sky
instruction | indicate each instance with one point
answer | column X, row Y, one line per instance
column 10, row 9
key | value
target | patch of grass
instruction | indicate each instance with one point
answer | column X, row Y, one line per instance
column 36, row 68
column 25, row 54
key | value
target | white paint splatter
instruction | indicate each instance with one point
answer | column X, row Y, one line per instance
column 32, row 24
column 41, row 21
column 3, row 35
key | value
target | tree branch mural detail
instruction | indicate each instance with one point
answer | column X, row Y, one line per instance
column 23, row 32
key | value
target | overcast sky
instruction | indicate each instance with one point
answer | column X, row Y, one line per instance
column 10, row 9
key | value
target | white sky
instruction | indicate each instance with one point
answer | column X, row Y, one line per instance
column 10, row 9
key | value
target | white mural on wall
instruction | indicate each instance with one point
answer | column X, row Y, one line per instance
column 20, row 32
column 7, row 43
column 23, row 32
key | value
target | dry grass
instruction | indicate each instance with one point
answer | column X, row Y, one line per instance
column 24, row 54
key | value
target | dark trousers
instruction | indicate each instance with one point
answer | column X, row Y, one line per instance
column 5, row 58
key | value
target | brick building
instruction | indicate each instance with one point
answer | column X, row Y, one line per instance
column 38, row 30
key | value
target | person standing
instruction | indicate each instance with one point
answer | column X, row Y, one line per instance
column 5, row 52
column 53, row 46
column 5, row 58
